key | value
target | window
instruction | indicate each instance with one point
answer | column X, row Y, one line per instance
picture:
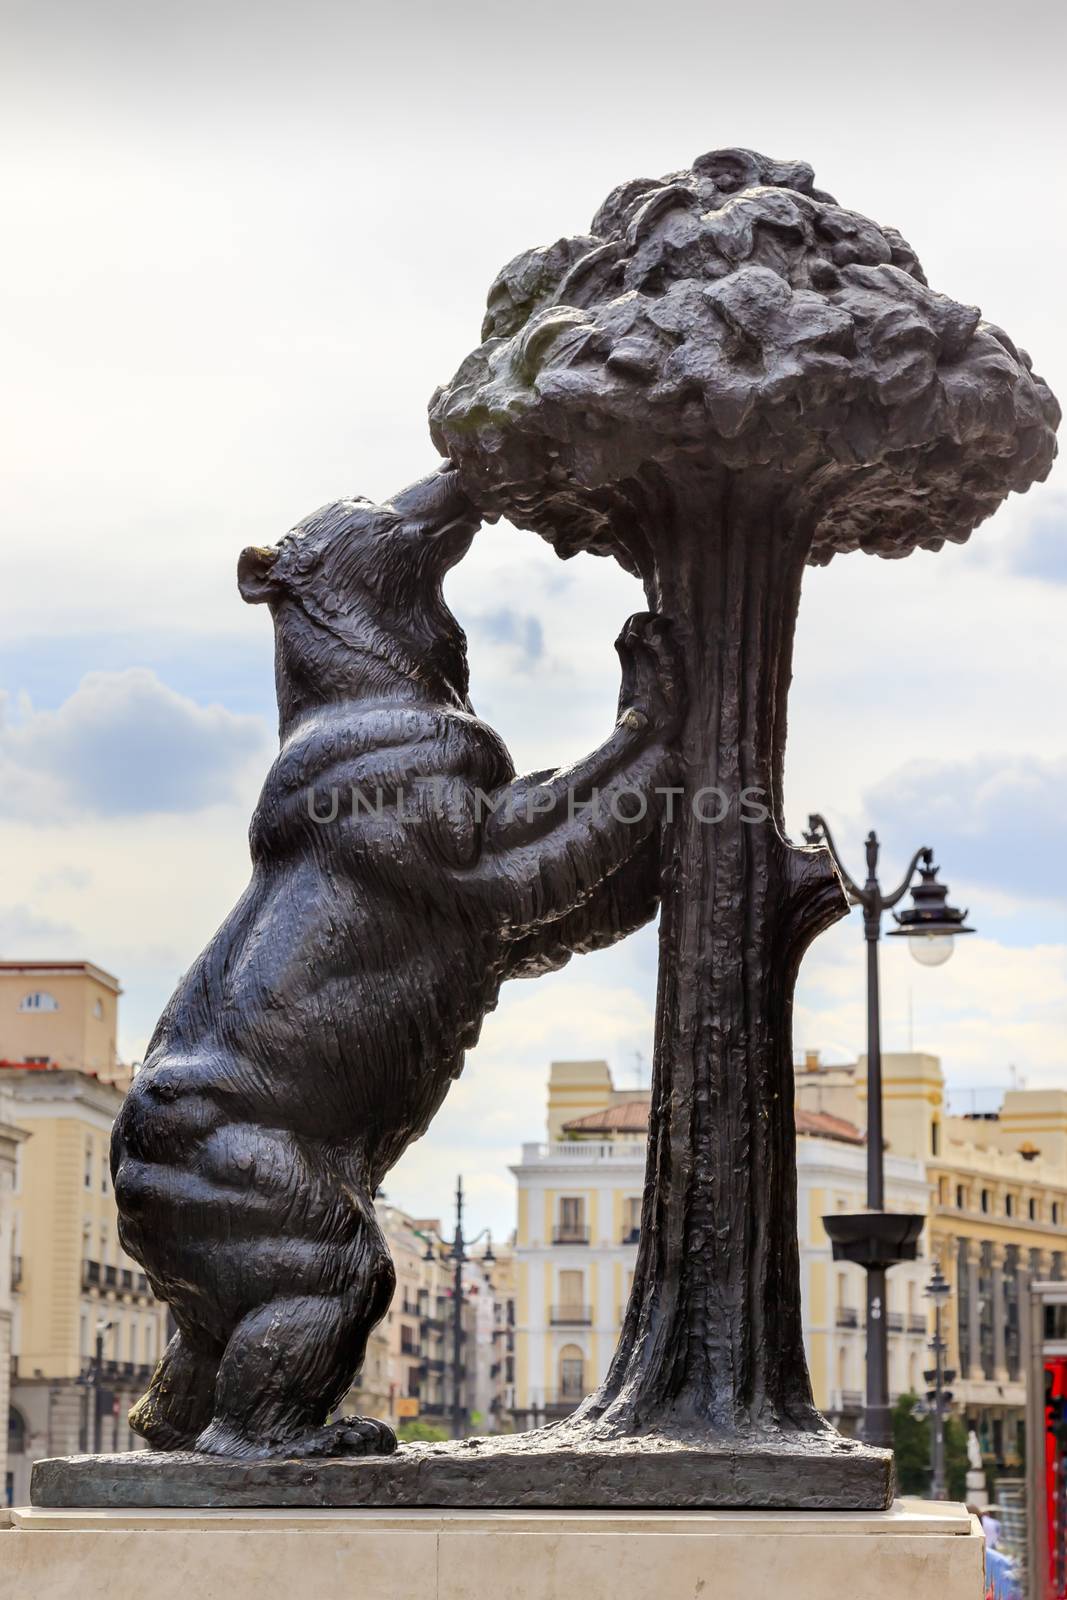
column 103, row 1174
column 985, row 1199
column 572, row 1228
column 88, row 1163
column 17, row 1432
column 935, row 1138
column 961, row 1198
column 571, row 1373
column 1055, row 1213
column 1009, row 1205
column 571, row 1288
column 1031, row 1209
column 631, row 1220
column 98, row 1009
column 39, row 1000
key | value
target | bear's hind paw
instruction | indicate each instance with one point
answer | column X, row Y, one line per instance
column 347, row 1436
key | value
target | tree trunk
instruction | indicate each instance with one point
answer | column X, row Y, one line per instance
column 711, row 1344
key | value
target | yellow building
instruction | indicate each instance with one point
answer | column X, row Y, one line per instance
column 76, row 1294
column 407, row 1374
column 996, row 1185
column 62, row 1012
column 11, row 1136
column 993, row 1189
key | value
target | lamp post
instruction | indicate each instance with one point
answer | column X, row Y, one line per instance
column 877, row 1239
column 938, row 1396
column 458, row 1255
column 103, row 1326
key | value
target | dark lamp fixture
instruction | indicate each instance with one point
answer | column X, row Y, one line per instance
column 930, row 923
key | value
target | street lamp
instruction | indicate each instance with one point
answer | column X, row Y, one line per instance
column 939, row 1396
column 458, row 1254
column 877, row 1239
column 91, row 1378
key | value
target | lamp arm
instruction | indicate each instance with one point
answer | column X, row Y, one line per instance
column 819, row 833
column 925, row 854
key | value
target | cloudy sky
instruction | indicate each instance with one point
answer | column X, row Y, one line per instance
column 243, row 244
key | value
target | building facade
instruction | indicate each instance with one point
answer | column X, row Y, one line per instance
column 63, row 1014
column 11, row 1136
column 993, row 1191
column 832, row 1177
column 996, row 1205
column 579, row 1198
column 86, row 1331
column 409, row 1372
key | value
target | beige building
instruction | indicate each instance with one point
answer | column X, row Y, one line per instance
column 11, row 1136
column 86, row 1332
column 63, row 1013
column 996, row 1205
column 579, row 1199
column 579, row 1223
column 408, row 1372
column 993, row 1189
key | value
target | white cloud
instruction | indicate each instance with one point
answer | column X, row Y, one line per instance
column 991, row 1007
column 998, row 818
column 27, row 932
column 122, row 744
column 234, row 304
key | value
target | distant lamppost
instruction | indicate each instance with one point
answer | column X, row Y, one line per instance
column 91, row 1378
column 877, row 1239
column 938, row 1395
column 458, row 1253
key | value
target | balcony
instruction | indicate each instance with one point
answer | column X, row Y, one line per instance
column 894, row 1321
column 126, row 1372
column 846, row 1317
column 126, row 1280
column 916, row 1322
column 412, row 1351
column 631, row 1236
column 554, row 1403
column 570, row 1233
column 91, row 1275
column 586, row 1152
column 111, row 1277
column 571, row 1316
column 851, row 1400
column 434, row 1364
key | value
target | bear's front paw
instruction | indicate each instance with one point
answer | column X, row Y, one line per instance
column 651, row 685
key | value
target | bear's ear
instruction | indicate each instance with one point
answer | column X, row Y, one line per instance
column 254, row 579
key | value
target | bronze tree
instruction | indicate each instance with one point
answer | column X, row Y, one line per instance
column 730, row 377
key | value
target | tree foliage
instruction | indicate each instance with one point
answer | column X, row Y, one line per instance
column 737, row 315
column 913, row 1449
column 416, row 1432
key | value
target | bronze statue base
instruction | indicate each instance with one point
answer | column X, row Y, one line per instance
column 802, row 1472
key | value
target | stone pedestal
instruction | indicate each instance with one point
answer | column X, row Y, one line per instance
column 924, row 1551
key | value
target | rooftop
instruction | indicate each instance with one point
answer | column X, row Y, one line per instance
column 64, row 969
column 631, row 1117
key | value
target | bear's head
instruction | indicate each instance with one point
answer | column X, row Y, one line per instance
column 355, row 592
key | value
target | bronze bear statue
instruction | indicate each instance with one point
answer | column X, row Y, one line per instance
column 318, row 1033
